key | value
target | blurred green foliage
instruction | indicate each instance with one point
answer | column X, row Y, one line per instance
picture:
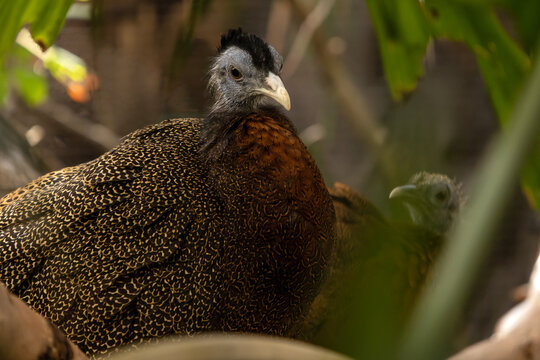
column 525, row 19
column 18, row 73
column 502, row 63
column 430, row 331
column 64, row 66
column 45, row 18
column 504, row 55
column 184, row 37
column 31, row 86
column 403, row 34
column 404, row 28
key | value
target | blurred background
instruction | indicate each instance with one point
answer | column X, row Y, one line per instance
column 147, row 61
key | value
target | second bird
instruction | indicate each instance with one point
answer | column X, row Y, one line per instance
column 380, row 266
column 215, row 224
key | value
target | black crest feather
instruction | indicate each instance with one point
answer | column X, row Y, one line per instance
column 254, row 45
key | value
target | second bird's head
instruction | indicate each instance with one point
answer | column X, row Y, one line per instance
column 245, row 74
column 433, row 200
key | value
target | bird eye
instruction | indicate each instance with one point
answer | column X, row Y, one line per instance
column 235, row 73
column 441, row 195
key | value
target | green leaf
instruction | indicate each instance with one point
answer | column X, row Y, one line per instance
column 12, row 19
column 503, row 64
column 31, row 86
column 403, row 34
column 64, row 65
column 526, row 22
column 46, row 18
column 401, row 31
column 525, row 16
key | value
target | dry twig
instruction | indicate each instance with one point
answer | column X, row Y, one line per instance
column 350, row 97
column 312, row 21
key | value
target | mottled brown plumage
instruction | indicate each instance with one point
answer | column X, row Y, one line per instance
column 358, row 220
column 378, row 267
column 191, row 225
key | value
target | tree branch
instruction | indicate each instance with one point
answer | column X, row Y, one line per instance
column 26, row 335
column 347, row 93
column 311, row 22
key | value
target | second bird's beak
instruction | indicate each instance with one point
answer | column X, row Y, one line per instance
column 405, row 192
column 276, row 90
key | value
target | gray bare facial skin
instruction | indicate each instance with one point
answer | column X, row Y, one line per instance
column 237, row 85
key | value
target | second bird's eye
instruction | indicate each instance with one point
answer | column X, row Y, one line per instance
column 235, row 73
column 441, row 195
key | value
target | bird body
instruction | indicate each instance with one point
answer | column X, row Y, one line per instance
column 215, row 224
column 379, row 266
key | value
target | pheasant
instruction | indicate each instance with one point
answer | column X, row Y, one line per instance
column 379, row 265
column 221, row 223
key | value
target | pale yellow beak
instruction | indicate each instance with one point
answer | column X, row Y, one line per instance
column 404, row 191
column 276, row 90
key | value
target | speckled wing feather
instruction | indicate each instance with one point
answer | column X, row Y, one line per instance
column 192, row 225
column 164, row 236
column 71, row 241
column 357, row 220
